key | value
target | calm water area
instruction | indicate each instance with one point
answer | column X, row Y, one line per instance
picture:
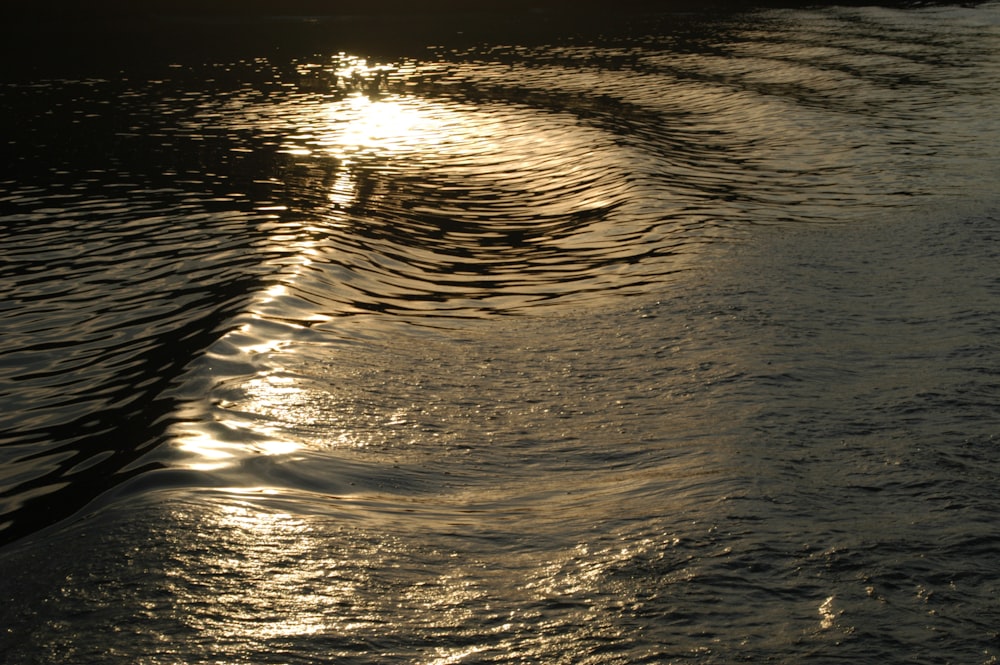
column 502, row 338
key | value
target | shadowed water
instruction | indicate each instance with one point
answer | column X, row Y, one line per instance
column 669, row 342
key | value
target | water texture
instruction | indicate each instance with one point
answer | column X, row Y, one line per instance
column 670, row 342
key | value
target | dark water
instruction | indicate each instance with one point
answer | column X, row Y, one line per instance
column 671, row 342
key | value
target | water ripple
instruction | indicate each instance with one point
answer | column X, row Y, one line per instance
column 108, row 299
column 501, row 179
column 160, row 233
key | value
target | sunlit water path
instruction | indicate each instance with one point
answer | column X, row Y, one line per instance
column 674, row 344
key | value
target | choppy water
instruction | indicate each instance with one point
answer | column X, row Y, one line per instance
column 671, row 343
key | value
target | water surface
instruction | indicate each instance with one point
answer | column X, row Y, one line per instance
column 674, row 342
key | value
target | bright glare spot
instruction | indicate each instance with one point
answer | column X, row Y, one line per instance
column 826, row 614
column 274, row 292
column 343, row 190
column 457, row 657
column 231, row 441
column 208, row 453
column 277, row 447
column 251, row 342
column 361, row 124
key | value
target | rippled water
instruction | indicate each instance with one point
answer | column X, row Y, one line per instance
column 675, row 341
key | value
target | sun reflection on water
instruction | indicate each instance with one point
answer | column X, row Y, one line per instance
column 251, row 572
column 252, row 581
column 256, row 398
column 424, row 207
column 378, row 126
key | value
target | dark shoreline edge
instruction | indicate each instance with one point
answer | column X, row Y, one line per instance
column 48, row 38
column 100, row 38
column 62, row 11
